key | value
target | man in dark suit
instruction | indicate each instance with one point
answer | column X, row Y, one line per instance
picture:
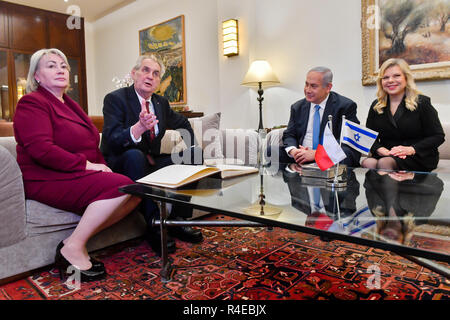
column 309, row 117
column 135, row 120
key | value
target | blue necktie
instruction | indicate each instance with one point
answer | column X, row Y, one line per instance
column 316, row 127
column 316, row 194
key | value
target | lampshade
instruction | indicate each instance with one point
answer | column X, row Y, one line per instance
column 260, row 71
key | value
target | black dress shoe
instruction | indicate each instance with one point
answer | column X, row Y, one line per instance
column 62, row 265
column 153, row 237
column 96, row 264
column 186, row 233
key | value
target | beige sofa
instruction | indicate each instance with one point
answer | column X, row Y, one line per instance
column 30, row 230
column 275, row 138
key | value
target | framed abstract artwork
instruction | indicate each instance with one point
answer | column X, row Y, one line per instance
column 166, row 41
column 417, row 31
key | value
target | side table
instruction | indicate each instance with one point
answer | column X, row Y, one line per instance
column 191, row 114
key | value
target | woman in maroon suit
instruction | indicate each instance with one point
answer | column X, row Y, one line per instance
column 57, row 151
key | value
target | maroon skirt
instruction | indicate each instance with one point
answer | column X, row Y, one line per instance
column 76, row 194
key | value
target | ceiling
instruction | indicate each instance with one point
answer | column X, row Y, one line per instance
column 91, row 10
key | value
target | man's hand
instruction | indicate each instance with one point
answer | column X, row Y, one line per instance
column 97, row 167
column 302, row 155
column 295, row 167
column 146, row 122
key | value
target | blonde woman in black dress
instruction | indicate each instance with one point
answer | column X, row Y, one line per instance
column 408, row 125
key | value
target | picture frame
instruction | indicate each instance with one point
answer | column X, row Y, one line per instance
column 166, row 41
column 424, row 45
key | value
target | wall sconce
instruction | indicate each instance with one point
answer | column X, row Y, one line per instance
column 230, row 38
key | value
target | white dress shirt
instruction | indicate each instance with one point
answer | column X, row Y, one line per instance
column 315, row 207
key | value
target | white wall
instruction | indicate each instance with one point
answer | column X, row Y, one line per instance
column 238, row 108
column 293, row 35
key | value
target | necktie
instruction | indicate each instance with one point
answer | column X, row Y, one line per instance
column 151, row 133
column 152, row 130
column 316, row 193
column 316, row 127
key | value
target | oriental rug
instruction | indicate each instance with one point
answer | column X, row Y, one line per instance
column 245, row 264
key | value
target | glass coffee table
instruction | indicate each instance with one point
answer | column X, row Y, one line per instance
column 407, row 213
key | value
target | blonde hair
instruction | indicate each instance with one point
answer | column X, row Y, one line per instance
column 32, row 84
column 412, row 93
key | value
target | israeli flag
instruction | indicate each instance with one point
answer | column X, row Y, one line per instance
column 358, row 137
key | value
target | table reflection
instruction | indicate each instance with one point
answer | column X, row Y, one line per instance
column 325, row 208
column 401, row 202
column 394, row 206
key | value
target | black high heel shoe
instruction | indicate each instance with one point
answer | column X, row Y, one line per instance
column 96, row 264
column 62, row 265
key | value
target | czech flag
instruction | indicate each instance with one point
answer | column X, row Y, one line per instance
column 329, row 152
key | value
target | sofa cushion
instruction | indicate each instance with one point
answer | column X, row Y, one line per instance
column 443, row 166
column 12, row 199
column 240, row 146
column 172, row 142
column 42, row 218
column 207, row 133
column 10, row 144
column 275, row 137
column 444, row 149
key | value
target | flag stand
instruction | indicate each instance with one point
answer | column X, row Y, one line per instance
column 338, row 182
column 341, row 225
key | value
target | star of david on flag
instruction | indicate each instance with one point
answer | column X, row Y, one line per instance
column 358, row 137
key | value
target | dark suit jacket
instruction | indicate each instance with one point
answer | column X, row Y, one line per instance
column 54, row 139
column 121, row 110
column 337, row 106
column 418, row 196
column 420, row 129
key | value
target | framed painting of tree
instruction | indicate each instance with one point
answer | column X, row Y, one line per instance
column 417, row 31
column 166, row 41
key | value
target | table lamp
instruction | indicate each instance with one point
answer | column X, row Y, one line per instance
column 258, row 75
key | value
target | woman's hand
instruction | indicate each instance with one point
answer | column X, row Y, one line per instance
column 97, row 167
column 401, row 175
column 383, row 152
column 402, row 152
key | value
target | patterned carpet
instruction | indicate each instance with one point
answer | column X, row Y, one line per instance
column 245, row 264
